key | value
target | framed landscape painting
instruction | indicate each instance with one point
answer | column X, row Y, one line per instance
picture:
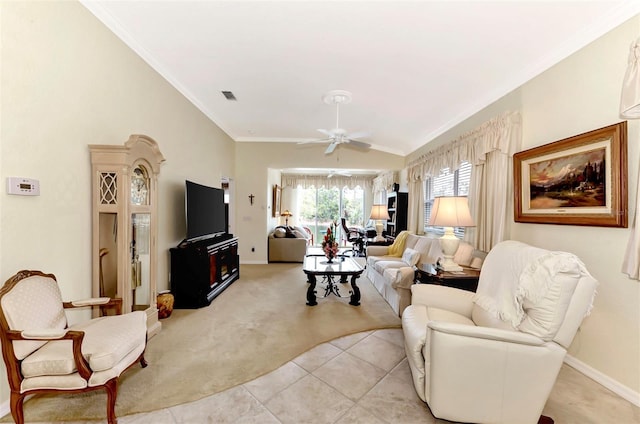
column 581, row 180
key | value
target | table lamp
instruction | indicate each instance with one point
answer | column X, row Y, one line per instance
column 286, row 215
column 379, row 213
column 449, row 212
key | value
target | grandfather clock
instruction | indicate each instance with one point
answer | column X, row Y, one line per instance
column 125, row 224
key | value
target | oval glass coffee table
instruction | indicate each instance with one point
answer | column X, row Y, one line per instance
column 340, row 269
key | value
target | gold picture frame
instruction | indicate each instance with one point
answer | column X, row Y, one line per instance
column 580, row 180
column 277, row 196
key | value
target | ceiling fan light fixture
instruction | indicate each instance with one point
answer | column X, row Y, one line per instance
column 339, row 135
column 337, row 97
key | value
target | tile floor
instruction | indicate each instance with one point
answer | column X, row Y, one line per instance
column 364, row 378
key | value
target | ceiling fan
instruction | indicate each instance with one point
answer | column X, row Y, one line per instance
column 339, row 135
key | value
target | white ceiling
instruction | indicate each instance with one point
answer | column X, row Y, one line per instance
column 415, row 68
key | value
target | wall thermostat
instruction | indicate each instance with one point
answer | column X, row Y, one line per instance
column 23, row 186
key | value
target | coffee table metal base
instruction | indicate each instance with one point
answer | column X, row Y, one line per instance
column 332, row 287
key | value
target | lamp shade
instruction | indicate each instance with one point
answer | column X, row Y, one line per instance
column 451, row 212
column 630, row 97
column 379, row 212
column 286, row 213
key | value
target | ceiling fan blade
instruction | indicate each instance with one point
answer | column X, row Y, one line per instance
column 331, row 148
column 321, row 140
column 327, row 133
column 358, row 144
column 359, row 134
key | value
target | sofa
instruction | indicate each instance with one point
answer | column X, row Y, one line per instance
column 393, row 275
column 288, row 244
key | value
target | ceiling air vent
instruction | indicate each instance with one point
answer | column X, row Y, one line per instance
column 229, row 95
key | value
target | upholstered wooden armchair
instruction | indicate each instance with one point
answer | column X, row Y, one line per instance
column 44, row 355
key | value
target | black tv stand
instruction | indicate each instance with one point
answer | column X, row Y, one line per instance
column 202, row 269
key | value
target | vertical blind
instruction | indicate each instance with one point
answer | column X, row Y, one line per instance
column 447, row 183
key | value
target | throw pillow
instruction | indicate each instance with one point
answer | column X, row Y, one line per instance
column 464, row 254
column 410, row 256
column 299, row 234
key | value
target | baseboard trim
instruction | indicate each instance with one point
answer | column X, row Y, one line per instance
column 604, row 380
column 253, row 263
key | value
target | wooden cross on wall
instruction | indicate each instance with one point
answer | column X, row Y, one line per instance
column 251, row 196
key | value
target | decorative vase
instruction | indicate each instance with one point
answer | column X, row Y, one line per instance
column 165, row 304
column 331, row 252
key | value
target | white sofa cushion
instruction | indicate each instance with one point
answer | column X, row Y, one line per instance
column 411, row 240
column 390, row 263
column 105, row 344
column 392, row 275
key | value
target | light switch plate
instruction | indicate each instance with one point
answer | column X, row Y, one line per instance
column 23, row 186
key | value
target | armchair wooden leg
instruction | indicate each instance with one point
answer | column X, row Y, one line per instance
column 545, row 420
column 143, row 362
column 111, row 387
column 17, row 411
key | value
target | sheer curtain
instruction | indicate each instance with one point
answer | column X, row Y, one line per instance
column 384, row 182
column 317, row 181
column 489, row 148
column 630, row 109
column 415, row 212
column 292, row 182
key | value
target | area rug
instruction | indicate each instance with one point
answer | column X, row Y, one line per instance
column 255, row 326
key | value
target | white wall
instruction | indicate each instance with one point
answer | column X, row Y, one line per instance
column 66, row 82
column 580, row 94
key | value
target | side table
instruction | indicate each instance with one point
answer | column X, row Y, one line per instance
column 467, row 279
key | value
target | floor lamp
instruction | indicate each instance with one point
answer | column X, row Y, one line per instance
column 449, row 212
column 379, row 213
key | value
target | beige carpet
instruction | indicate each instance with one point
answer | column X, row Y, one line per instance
column 258, row 324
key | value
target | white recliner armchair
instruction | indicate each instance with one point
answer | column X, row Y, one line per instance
column 493, row 356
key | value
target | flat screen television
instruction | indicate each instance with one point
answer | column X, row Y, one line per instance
column 205, row 211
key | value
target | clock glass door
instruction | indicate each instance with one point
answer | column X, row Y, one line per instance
column 108, row 254
column 140, row 261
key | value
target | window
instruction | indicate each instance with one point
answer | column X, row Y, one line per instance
column 318, row 208
column 446, row 184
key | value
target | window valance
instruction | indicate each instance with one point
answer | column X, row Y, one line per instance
column 385, row 181
column 500, row 133
column 317, row 181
